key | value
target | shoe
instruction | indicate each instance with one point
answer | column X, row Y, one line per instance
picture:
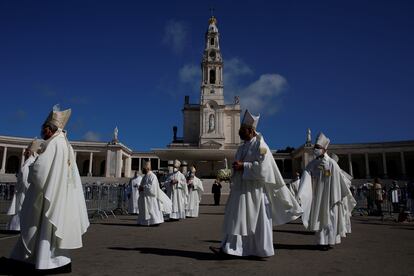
column 218, row 251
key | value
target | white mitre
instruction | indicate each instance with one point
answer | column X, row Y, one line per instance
column 58, row 118
column 177, row 163
column 35, row 145
column 193, row 169
column 249, row 120
column 322, row 141
column 335, row 157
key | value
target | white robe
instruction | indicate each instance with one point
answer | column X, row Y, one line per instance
column 133, row 194
column 178, row 194
column 54, row 215
column 322, row 192
column 152, row 201
column 258, row 199
column 19, row 194
column 294, row 187
column 194, row 198
column 348, row 203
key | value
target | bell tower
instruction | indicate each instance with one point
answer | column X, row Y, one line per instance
column 212, row 66
column 212, row 105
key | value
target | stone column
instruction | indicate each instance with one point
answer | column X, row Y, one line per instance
column 108, row 163
column 90, row 163
column 118, row 172
column 128, row 167
column 22, row 160
column 159, row 163
column 367, row 166
column 384, row 165
column 351, row 170
column 3, row 163
column 139, row 164
column 403, row 171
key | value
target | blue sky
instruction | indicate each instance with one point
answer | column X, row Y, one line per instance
column 342, row 67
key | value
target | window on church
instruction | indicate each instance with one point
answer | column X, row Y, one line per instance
column 212, row 76
column 212, row 41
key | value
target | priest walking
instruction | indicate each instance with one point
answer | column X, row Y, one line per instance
column 22, row 184
column 322, row 191
column 177, row 190
column 133, row 193
column 195, row 190
column 258, row 198
column 152, row 201
column 54, row 216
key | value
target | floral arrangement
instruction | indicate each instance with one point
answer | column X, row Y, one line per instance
column 224, row 174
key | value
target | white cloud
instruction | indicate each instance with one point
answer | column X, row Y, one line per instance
column 91, row 136
column 261, row 95
column 175, row 35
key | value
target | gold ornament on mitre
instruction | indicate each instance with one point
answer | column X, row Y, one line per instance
column 58, row 118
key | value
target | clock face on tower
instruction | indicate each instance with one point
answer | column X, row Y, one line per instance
column 212, row 54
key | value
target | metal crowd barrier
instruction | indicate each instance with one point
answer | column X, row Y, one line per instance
column 101, row 199
column 396, row 203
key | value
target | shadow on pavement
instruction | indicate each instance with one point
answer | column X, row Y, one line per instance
column 170, row 252
column 12, row 267
column 296, row 246
column 203, row 256
column 300, row 232
column 9, row 232
column 217, row 214
column 212, row 241
column 120, row 224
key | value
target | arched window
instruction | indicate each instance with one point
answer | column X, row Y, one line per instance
column 212, row 76
column 212, row 41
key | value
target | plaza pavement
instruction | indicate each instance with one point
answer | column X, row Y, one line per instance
column 116, row 246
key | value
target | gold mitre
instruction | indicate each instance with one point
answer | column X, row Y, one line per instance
column 58, row 118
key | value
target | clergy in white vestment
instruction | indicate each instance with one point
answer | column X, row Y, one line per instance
column 322, row 191
column 294, row 185
column 152, row 201
column 177, row 191
column 133, row 193
column 22, row 184
column 258, row 198
column 349, row 201
column 195, row 190
column 54, row 216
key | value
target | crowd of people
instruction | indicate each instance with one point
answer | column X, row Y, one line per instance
column 181, row 199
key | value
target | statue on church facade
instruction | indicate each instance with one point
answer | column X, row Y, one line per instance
column 115, row 140
column 211, row 123
column 308, row 137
